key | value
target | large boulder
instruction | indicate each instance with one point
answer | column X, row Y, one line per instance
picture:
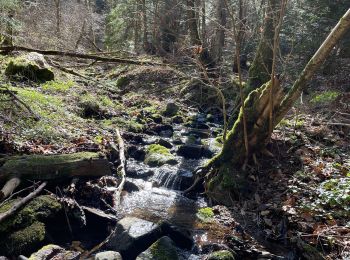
column 162, row 249
column 133, row 236
column 32, row 66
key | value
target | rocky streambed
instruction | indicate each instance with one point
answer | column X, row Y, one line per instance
column 154, row 220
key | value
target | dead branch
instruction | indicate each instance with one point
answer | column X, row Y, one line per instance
column 18, row 205
column 8, row 49
column 121, row 169
column 17, row 99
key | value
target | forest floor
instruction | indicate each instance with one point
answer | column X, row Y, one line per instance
column 302, row 198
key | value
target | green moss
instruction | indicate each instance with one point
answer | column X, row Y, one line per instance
column 156, row 148
column 164, row 249
column 158, row 155
column 122, row 81
column 25, row 240
column 39, row 208
column 221, row 255
column 57, row 86
column 205, row 214
column 25, row 69
column 325, row 97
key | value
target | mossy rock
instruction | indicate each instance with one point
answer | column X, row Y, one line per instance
column 38, row 209
column 162, row 249
column 54, row 252
column 158, row 155
column 122, row 81
column 171, row 110
column 221, row 255
column 24, row 240
column 31, row 66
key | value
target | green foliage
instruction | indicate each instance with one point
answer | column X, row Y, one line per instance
column 325, row 97
column 57, row 86
column 205, row 214
column 335, row 193
column 118, row 33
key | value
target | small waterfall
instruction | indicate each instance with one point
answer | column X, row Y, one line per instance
column 167, row 178
column 173, row 178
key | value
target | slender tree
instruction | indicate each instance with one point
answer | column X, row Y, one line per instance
column 223, row 175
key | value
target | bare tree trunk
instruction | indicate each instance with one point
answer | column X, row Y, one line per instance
column 260, row 70
column 204, row 25
column 192, row 23
column 218, row 40
column 58, row 16
column 144, row 24
column 222, row 174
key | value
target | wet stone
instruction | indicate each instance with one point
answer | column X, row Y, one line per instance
column 136, row 153
column 108, row 255
column 133, row 236
column 164, row 143
column 138, row 172
column 190, row 151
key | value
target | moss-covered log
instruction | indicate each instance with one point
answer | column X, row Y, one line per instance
column 50, row 167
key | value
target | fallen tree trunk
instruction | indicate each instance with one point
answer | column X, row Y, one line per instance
column 8, row 49
column 52, row 167
column 223, row 175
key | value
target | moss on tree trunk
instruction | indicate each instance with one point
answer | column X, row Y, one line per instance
column 223, row 178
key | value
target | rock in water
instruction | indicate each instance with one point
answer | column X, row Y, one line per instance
column 32, row 66
column 133, row 236
column 108, row 255
column 162, row 249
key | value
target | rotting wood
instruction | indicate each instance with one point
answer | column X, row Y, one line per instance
column 8, row 49
column 21, row 203
column 9, row 187
column 54, row 167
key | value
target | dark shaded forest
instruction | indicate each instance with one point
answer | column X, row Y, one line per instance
column 174, row 129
